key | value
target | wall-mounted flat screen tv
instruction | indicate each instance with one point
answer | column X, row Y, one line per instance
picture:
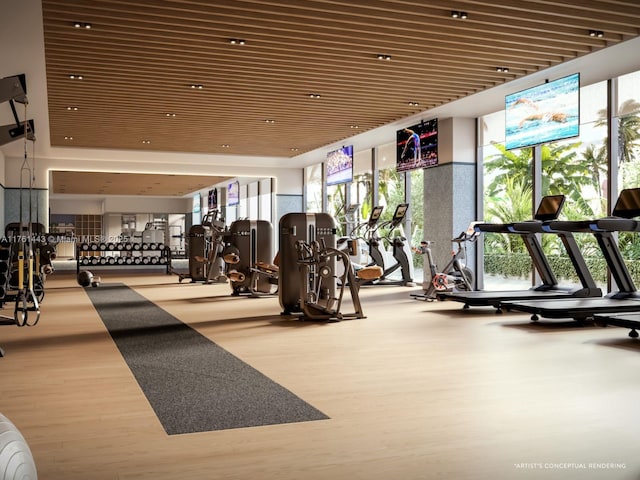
column 213, row 199
column 233, row 193
column 417, row 146
column 340, row 165
column 544, row 113
column 196, row 209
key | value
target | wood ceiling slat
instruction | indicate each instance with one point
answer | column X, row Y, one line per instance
column 331, row 28
column 141, row 56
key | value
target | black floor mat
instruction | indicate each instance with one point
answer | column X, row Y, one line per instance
column 192, row 384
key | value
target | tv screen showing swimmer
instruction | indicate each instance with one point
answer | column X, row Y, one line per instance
column 544, row 113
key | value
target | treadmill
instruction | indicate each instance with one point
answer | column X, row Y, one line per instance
column 548, row 210
column 627, row 298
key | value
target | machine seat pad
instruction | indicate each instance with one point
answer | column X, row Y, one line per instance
column 267, row 267
column 370, row 273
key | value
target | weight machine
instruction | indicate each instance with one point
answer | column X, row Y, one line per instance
column 308, row 282
column 318, row 282
column 247, row 252
column 19, row 273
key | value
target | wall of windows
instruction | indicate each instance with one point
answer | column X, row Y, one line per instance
column 576, row 167
column 313, row 187
column 387, row 188
column 627, row 118
column 513, row 181
column 362, row 185
column 507, row 183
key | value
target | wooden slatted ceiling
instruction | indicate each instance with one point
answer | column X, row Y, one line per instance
column 140, row 58
column 103, row 183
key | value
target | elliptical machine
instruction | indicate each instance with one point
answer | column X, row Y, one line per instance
column 401, row 250
column 206, row 244
column 357, row 243
column 456, row 275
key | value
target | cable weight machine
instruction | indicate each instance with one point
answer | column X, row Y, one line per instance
column 319, row 281
column 17, row 258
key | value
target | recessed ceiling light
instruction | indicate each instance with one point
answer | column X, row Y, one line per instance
column 169, row 114
column 146, row 142
column 294, row 149
column 75, row 76
column 502, row 69
column 68, row 138
column 314, row 95
column 72, row 109
column 382, row 56
column 197, row 86
column 82, row 25
column 270, row 120
column 413, row 104
column 596, row 33
column 237, row 41
column 459, row 14
column 225, row 145
column 355, row 126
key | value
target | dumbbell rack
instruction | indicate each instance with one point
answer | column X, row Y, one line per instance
column 122, row 254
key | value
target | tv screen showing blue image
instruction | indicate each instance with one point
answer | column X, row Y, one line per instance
column 233, row 194
column 417, row 146
column 340, row 165
column 544, row 113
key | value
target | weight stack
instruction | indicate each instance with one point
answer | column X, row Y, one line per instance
column 252, row 241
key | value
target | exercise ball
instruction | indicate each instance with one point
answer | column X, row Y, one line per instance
column 85, row 278
column 16, row 460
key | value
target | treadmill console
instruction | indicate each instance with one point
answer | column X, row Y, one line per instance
column 549, row 208
column 628, row 204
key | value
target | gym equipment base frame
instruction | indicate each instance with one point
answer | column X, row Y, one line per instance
column 318, row 276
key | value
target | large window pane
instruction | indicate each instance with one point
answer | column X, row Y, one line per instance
column 507, row 197
column 313, row 187
column 362, row 186
column 628, row 118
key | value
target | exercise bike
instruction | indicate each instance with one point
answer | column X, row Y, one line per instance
column 456, row 275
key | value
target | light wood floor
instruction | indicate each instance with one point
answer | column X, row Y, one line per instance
column 415, row 391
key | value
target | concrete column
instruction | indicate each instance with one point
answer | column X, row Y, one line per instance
column 450, row 189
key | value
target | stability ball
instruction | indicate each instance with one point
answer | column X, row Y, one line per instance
column 85, row 278
column 16, row 460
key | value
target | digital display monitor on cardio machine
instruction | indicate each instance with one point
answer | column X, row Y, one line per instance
column 375, row 215
column 399, row 214
column 549, row 208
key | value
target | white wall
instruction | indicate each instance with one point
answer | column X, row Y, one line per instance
column 147, row 205
column 76, row 207
column 456, row 140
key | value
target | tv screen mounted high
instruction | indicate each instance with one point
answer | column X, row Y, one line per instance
column 340, row 165
column 544, row 113
column 233, row 194
column 417, row 146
